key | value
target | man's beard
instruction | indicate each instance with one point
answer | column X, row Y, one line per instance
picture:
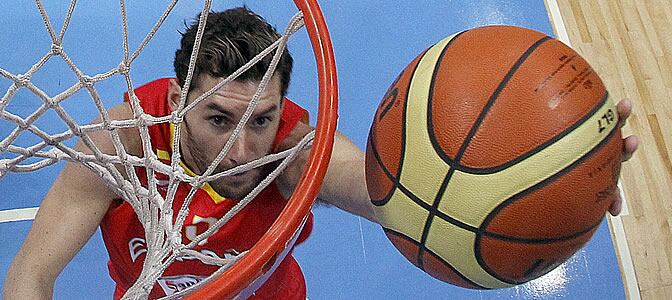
column 228, row 187
column 234, row 186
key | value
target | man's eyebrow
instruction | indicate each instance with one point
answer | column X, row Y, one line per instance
column 268, row 110
column 222, row 110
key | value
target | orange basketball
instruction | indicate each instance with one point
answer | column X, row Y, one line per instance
column 493, row 157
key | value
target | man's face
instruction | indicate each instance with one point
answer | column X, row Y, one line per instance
column 207, row 127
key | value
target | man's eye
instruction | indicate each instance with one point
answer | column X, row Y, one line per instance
column 261, row 121
column 218, row 120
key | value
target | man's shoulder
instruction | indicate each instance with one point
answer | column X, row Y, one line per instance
column 153, row 97
column 130, row 137
column 157, row 86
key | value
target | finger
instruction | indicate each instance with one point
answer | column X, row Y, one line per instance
column 624, row 108
column 615, row 208
column 630, row 145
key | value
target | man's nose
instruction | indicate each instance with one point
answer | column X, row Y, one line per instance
column 239, row 153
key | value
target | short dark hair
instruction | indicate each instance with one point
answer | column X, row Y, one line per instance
column 231, row 38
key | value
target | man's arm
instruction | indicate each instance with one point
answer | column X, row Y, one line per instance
column 344, row 184
column 68, row 216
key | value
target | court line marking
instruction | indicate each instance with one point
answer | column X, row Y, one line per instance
column 624, row 208
column 616, row 228
column 19, row 214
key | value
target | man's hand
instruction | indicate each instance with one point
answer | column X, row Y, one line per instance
column 630, row 144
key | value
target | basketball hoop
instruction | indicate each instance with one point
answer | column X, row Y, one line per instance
column 238, row 277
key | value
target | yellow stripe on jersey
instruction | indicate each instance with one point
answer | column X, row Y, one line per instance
column 162, row 154
column 165, row 155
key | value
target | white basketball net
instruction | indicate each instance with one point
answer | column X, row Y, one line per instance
column 163, row 236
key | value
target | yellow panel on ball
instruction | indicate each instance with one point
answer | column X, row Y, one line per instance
column 455, row 245
column 482, row 193
column 403, row 215
column 423, row 169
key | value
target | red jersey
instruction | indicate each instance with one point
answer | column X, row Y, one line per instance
column 124, row 235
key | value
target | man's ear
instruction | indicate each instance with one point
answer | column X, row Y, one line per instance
column 174, row 91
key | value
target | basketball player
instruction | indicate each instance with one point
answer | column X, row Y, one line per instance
column 79, row 201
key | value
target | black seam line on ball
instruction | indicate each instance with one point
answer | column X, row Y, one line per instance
column 472, row 132
column 561, row 135
column 481, row 232
column 430, row 122
column 445, row 263
column 433, row 140
column 395, row 182
column 542, row 184
column 521, row 240
column 394, row 179
column 481, row 262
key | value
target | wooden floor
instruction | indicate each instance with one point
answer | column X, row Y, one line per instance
column 629, row 43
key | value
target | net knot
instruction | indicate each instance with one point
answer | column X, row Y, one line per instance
column 56, row 49
column 23, row 125
column 143, row 120
column 176, row 240
column 176, row 117
column 22, row 80
column 52, row 104
column 108, row 126
column 124, row 67
column 86, row 81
